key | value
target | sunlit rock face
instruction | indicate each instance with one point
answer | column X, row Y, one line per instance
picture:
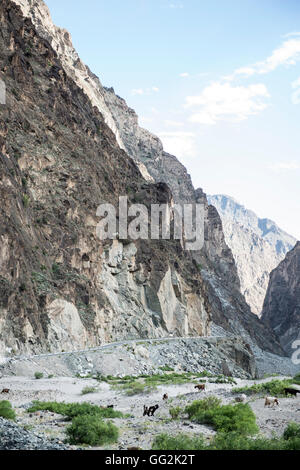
column 258, row 246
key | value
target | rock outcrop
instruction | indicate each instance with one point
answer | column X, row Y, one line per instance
column 281, row 310
column 258, row 246
column 68, row 144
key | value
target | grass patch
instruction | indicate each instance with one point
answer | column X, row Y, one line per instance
column 71, row 410
column 92, row 430
column 296, row 379
column 87, row 390
column 179, row 442
column 166, row 368
column 136, row 388
column 290, row 440
column 6, row 410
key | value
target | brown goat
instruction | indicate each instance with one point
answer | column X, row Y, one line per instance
column 166, row 396
column 5, row 390
column 200, row 387
column 271, row 401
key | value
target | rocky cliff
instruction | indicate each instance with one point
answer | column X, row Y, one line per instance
column 60, row 286
column 68, row 144
column 258, row 246
column 281, row 310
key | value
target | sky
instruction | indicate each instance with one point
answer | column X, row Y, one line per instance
column 218, row 81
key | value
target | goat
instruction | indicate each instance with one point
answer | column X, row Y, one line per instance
column 241, row 398
column 152, row 409
column 5, row 390
column 271, row 401
column 110, row 406
column 149, row 411
column 166, row 396
column 291, row 391
column 200, row 387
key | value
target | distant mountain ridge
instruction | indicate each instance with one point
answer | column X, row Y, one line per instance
column 281, row 310
column 258, row 246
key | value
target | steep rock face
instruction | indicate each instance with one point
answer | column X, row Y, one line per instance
column 60, row 286
column 281, row 310
column 215, row 265
column 258, row 246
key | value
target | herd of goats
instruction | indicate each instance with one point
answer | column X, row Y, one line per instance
column 269, row 401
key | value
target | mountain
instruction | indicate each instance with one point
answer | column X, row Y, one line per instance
column 67, row 145
column 281, row 309
column 258, row 246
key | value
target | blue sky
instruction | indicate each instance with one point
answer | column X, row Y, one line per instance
column 217, row 80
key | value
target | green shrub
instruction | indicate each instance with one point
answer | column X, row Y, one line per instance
column 227, row 441
column 179, row 442
column 72, row 410
column 199, row 406
column 6, row 410
column 274, row 388
column 292, row 431
column 25, row 200
column 91, row 430
column 175, row 412
column 38, row 375
column 227, row 418
column 87, row 390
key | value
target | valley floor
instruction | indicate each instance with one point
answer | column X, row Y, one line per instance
column 135, row 430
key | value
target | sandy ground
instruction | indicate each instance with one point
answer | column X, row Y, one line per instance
column 135, row 430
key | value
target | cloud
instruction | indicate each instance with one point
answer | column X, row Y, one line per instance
column 137, row 91
column 184, row 75
column 175, row 5
column 145, row 91
column 288, row 35
column 222, row 101
column 286, row 54
column 173, row 123
column 181, row 144
column 282, row 166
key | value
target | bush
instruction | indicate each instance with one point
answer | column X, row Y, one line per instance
column 175, row 412
column 87, row 390
column 71, row 410
column 199, row 406
column 227, row 418
column 233, row 418
column 274, row 388
column 179, row 442
column 292, row 431
column 39, row 375
column 6, row 410
column 91, row 430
